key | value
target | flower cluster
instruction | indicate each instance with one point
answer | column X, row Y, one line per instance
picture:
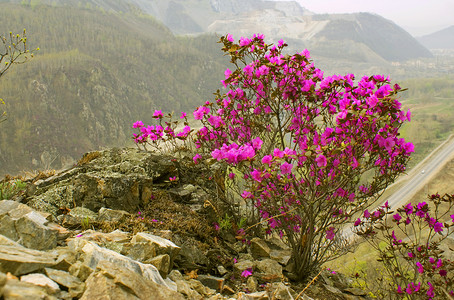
column 412, row 255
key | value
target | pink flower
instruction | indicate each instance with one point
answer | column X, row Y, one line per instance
column 257, row 143
column 246, row 195
column 267, row 160
column 321, row 161
column 174, row 178
column 183, row 115
column 286, row 168
column 256, row 175
column 196, row 158
column 232, row 175
column 366, row 214
column 246, row 273
column 157, row 114
column 330, row 233
column 397, row 218
column 230, row 38
column 137, row 124
column 438, row 227
column 420, row 267
column 280, row 43
column 357, row 222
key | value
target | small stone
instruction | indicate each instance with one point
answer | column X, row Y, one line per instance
column 112, row 215
column 252, row 284
column 162, row 263
column 41, row 280
column 254, row 296
column 212, row 282
column 222, row 271
column 259, row 248
column 356, row 291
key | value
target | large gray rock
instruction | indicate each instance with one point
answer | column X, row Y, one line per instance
column 29, row 227
column 92, row 255
column 111, row 281
column 259, row 248
column 19, row 260
column 41, row 280
column 73, row 284
column 144, row 247
column 119, row 179
column 19, row 290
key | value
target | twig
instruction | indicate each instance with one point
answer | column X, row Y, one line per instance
column 309, row 284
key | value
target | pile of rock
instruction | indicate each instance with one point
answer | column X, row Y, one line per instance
column 50, row 252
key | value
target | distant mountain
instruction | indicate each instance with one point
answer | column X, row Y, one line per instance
column 443, row 39
column 360, row 37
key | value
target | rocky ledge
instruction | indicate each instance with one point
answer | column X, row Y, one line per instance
column 125, row 224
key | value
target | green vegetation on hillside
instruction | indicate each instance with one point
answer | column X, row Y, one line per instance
column 96, row 74
column 431, row 101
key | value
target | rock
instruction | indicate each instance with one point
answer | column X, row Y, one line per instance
column 80, row 270
column 65, row 258
column 185, row 289
column 242, row 265
column 73, row 284
column 212, row 282
column 281, row 256
column 119, row 179
column 222, row 270
column 355, row 291
column 27, row 226
column 332, row 289
column 145, row 246
column 19, row 290
column 254, row 296
column 271, row 270
column 19, row 260
column 203, row 290
column 2, row 282
column 162, row 263
column 283, row 292
column 191, row 258
column 92, row 254
column 111, row 281
column 41, row 280
column 112, row 215
column 259, row 248
column 252, row 284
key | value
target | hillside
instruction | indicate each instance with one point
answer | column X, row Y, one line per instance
column 443, row 39
column 96, row 74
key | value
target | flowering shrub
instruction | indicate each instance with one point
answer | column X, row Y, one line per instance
column 307, row 151
column 415, row 266
column 162, row 135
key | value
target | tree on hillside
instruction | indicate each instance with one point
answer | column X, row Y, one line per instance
column 13, row 50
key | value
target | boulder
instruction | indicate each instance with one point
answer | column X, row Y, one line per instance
column 19, row 260
column 73, row 284
column 112, row 215
column 30, row 228
column 118, row 179
column 19, row 290
column 41, row 280
column 270, row 270
column 144, row 247
column 92, row 254
column 259, row 248
column 111, row 281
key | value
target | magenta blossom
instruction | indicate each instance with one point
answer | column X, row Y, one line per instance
column 286, row 168
column 321, row 161
column 246, row 273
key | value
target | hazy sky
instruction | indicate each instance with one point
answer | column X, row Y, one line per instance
column 418, row 17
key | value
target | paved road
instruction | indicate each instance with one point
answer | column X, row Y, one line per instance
column 416, row 179
column 422, row 173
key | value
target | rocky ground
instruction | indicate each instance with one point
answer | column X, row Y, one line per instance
column 125, row 224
